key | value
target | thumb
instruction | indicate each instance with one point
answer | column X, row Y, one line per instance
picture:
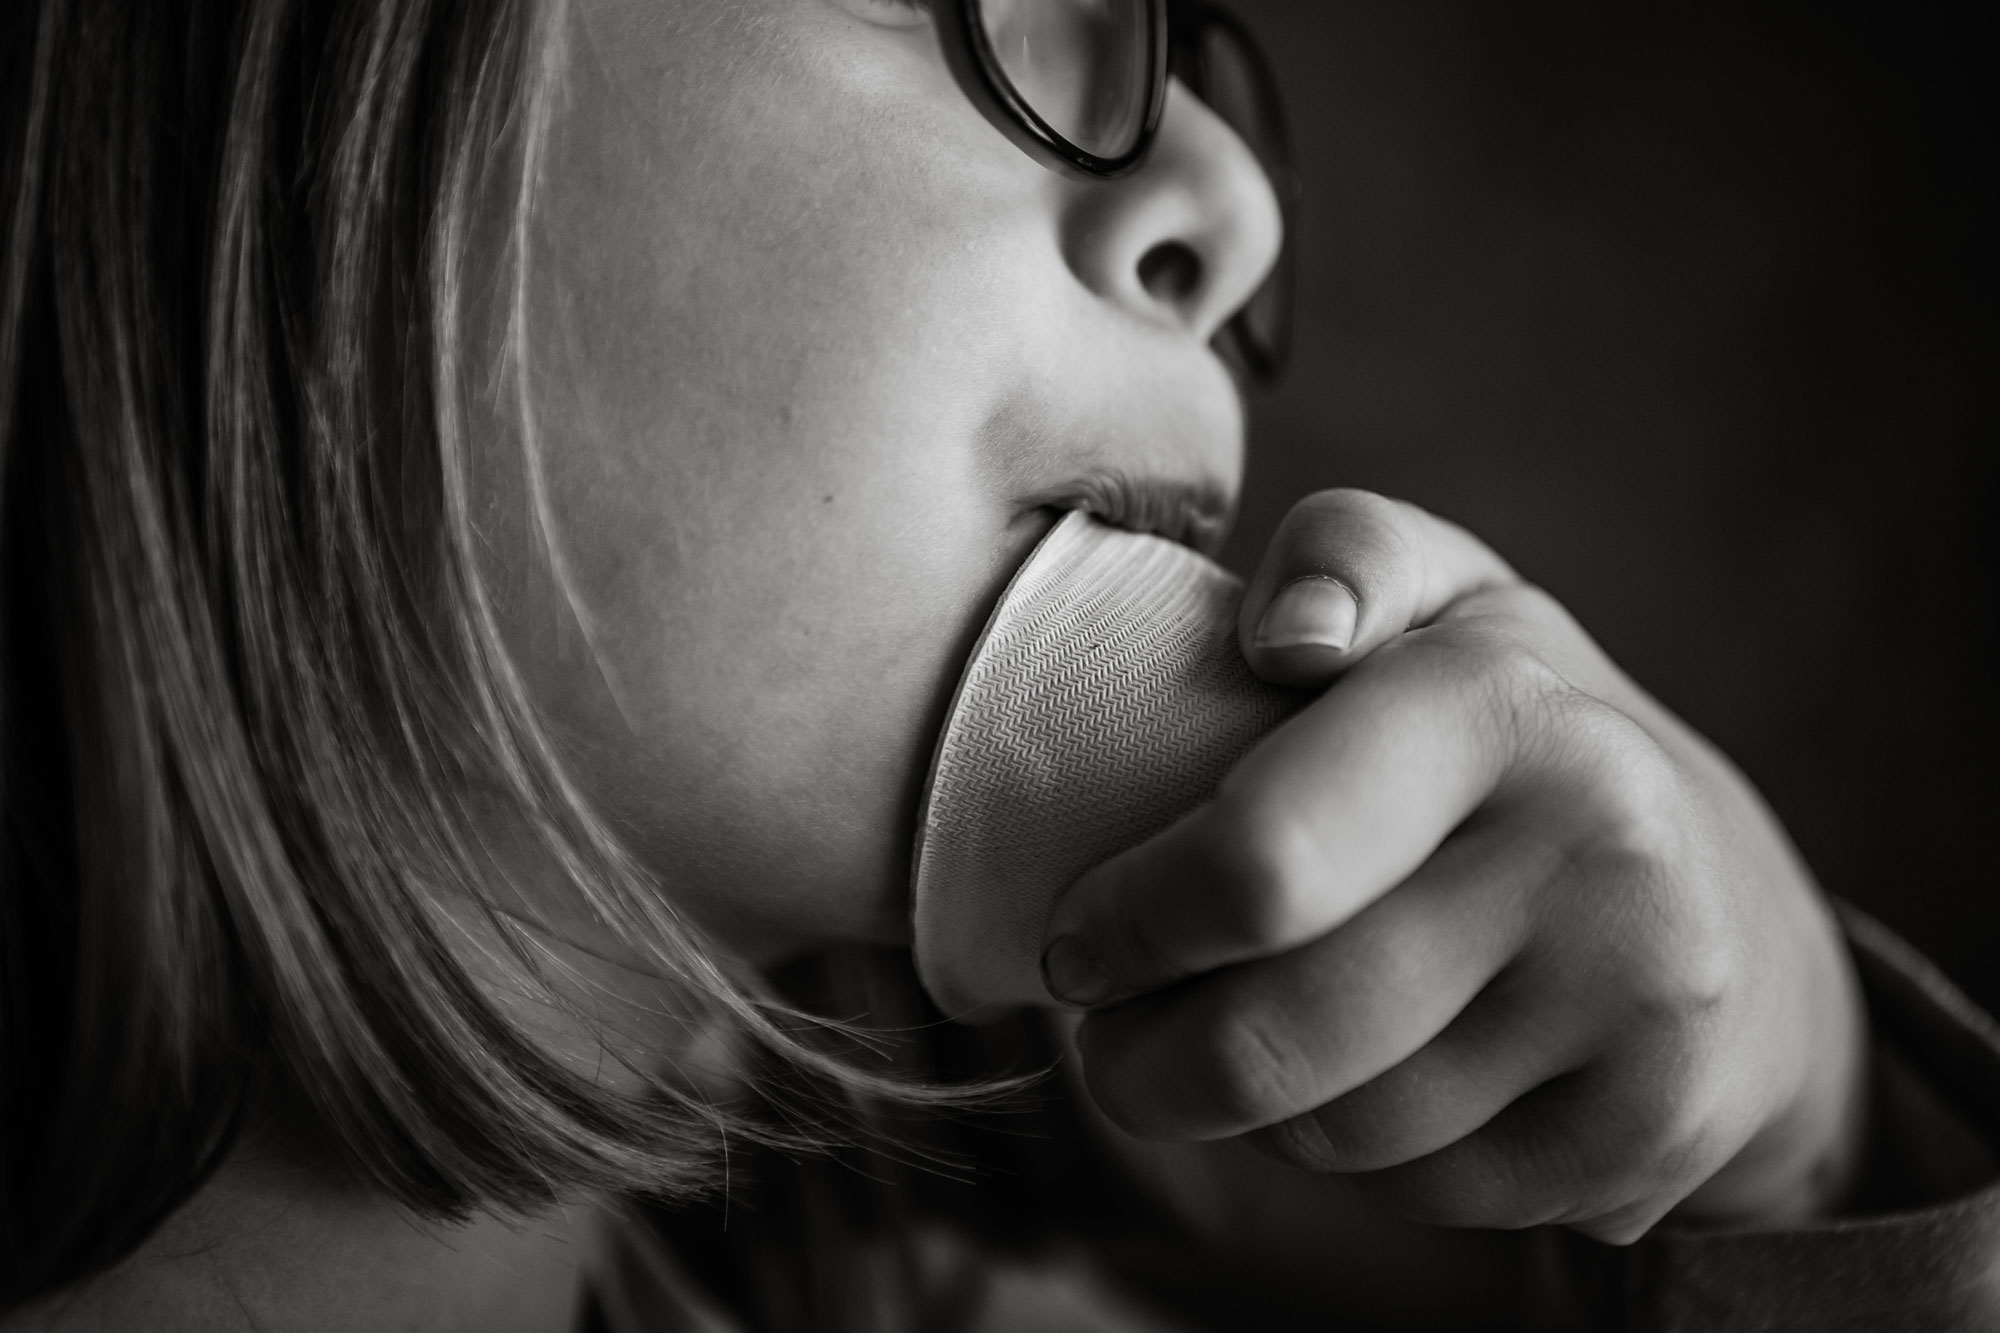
column 1346, row 572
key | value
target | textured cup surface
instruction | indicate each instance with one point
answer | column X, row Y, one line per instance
column 1105, row 698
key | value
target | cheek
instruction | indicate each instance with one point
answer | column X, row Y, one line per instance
column 755, row 697
column 763, row 619
column 773, row 531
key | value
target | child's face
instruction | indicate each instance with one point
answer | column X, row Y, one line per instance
column 813, row 349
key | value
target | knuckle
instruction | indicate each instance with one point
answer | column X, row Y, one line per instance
column 1657, row 1140
column 1509, row 645
column 1692, row 974
column 1550, row 1157
column 1521, row 610
column 1530, row 699
column 1525, row 604
column 1546, row 1178
column 1640, row 856
column 1248, row 1071
column 1268, row 861
column 1683, row 1155
column 1489, row 656
column 1631, row 844
column 1640, row 1133
column 1503, row 681
column 1680, row 1141
column 1643, row 807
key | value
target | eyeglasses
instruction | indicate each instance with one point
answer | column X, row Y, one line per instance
column 1079, row 85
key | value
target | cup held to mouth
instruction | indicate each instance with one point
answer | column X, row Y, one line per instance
column 1105, row 698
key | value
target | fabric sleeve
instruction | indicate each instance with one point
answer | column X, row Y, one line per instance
column 1918, row 1245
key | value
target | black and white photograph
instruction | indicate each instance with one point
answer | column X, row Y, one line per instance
column 999, row 666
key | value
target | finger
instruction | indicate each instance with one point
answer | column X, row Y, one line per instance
column 1256, row 1044
column 1347, row 571
column 1597, row 1149
column 1328, row 813
column 1494, row 1053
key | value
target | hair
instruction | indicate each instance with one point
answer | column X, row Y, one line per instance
column 248, row 669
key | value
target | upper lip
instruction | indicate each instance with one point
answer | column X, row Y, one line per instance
column 1190, row 513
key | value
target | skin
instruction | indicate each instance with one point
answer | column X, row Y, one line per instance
column 813, row 354
column 806, row 385
column 285, row 1239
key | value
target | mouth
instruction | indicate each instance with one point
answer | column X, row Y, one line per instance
column 1191, row 514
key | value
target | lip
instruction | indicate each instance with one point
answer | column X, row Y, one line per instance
column 1190, row 513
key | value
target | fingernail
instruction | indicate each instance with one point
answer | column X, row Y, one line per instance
column 1071, row 972
column 1312, row 611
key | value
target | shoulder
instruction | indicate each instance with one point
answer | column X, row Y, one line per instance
column 268, row 1247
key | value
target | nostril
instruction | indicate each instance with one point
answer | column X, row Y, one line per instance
column 1171, row 274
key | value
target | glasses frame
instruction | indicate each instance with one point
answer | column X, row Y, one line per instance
column 1174, row 29
column 975, row 64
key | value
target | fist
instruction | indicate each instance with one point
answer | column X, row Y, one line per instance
column 1484, row 927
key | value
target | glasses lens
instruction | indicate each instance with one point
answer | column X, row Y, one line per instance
column 1082, row 65
column 1220, row 65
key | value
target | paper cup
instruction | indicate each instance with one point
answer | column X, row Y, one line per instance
column 1105, row 698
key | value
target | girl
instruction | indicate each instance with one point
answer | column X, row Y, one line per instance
column 496, row 498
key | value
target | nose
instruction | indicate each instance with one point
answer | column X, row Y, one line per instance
column 1186, row 239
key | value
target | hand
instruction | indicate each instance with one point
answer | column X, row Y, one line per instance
column 1483, row 926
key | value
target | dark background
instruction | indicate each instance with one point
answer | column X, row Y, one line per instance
column 1689, row 312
